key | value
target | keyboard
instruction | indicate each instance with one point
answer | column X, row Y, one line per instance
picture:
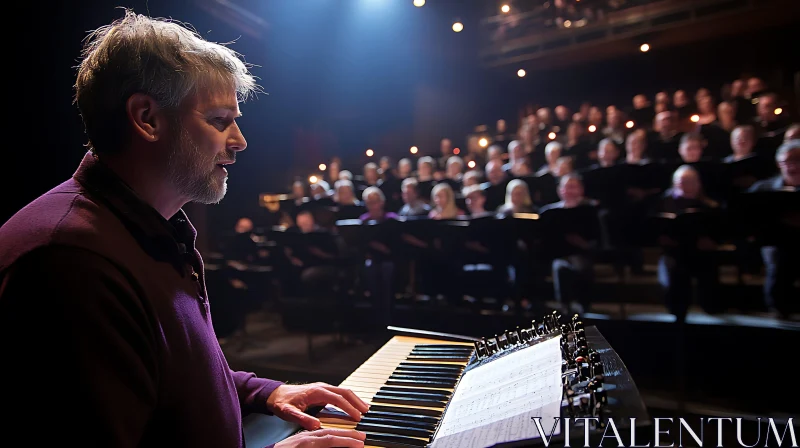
column 407, row 383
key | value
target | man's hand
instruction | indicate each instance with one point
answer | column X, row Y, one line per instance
column 324, row 438
column 290, row 401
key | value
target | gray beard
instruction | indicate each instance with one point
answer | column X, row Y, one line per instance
column 192, row 173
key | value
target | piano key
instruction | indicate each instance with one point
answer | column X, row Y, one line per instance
column 465, row 346
column 415, row 390
column 443, row 349
column 391, row 399
column 431, row 373
column 431, row 365
column 407, row 410
column 392, row 441
column 436, row 358
column 414, row 394
column 396, row 430
column 421, row 383
column 403, row 417
column 409, row 423
column 449, row 381
column 442, row 352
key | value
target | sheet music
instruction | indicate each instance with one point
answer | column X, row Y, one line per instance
column 494, row 403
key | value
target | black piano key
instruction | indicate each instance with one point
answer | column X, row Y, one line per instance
column 434, row 373
column 391, row 399
column 420, row 383
column 391, row 429
column 438, row 346
column 450, row 381
column 392, row 441
column 408, row 423
column 405, row 410
column 442, row 352
column 419, row 390
column 414, row 394
column 431, row 365
column 437, row 358
column 400, row 416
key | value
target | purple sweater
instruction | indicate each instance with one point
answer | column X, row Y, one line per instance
column 105, row 321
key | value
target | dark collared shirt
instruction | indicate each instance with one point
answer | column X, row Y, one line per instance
column 105, row 321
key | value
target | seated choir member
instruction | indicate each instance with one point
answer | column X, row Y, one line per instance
column 518, row 199
column 607, row 153
column 345, row 193
column 471, row 177
column 312, row 268
column 495, row 152
column 680, row 260
column 379, row 269
column 404, row 168
column 516, row 156
column 412, row 204
column 636, row 148
column 346, row 175
column 691, row 147
column 475, row 198
column 425, row 168
column 496, row 178
column 454, row 173
column 444, row 200
column 666, row 138
column 782, row 263
column 577, row 146
column 573, row 275
column 743, row 140
column 552, row 152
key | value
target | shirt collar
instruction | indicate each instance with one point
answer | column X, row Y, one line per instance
column 166, row 240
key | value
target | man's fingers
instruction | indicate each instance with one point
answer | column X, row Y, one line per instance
column 337, row 442
column 350, row 396
column 324, row 396
column 352, row 433
column 297, row 416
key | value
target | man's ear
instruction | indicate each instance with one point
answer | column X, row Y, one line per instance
column 147, row 119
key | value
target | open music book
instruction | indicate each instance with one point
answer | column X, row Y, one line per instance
column 497, row 401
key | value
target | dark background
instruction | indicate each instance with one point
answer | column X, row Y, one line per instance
column 342, row 76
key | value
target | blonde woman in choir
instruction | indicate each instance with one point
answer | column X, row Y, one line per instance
column 445, row 203
column 518, row 199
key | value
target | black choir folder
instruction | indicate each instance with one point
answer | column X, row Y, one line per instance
column 525, row 379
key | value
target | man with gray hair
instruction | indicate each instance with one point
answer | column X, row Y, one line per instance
column 105, row 264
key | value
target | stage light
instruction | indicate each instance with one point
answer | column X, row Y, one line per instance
column 695, row 118
column 592, row 128
column 471, row 164
column 370, row 153
column 458, row 27
column 322, row 167
column 456, row 151
column 312, row 179
column 551, row 136
column 419, row 3
column 521, row 73
column 567, row 23
column 414, row 150
column 483, row 142
column 778, row 111
column 505, row 9
column 629, row 125
column 645, row 48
